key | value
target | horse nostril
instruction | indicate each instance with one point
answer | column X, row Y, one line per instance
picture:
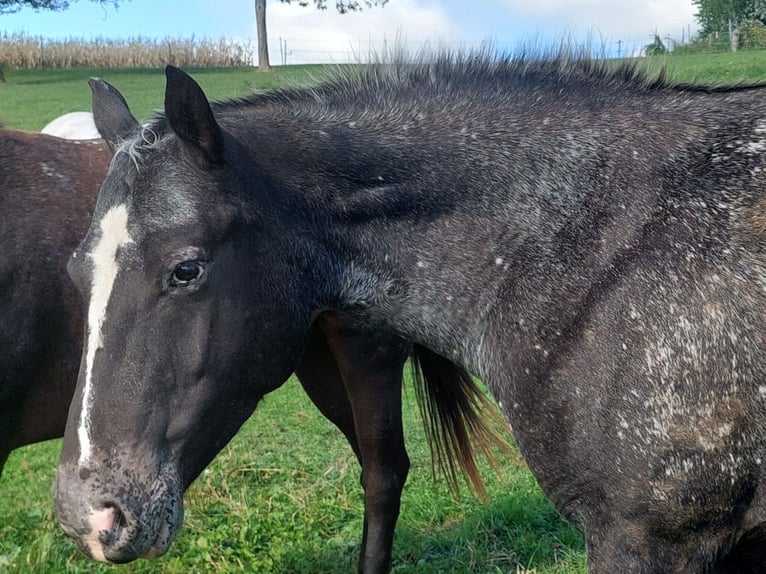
column 106, row 524
column 111, row 524
column 119, row 523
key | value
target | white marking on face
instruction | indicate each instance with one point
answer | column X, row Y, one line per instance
column 114, row 234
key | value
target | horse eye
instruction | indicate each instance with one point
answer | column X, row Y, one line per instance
column 186, row 272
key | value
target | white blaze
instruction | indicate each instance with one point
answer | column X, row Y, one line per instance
column 114, row 234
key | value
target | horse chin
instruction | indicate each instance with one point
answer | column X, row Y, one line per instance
column 156, row 552
column 168, row 529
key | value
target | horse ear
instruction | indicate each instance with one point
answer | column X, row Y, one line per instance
column 190, row 117
column 111, row 113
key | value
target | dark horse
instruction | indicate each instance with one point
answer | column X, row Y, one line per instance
column 589, row 241
column 48, row 188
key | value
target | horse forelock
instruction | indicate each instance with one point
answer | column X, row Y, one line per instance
column 148, row 137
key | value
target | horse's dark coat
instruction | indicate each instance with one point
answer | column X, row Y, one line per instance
column 587, row 241
column 48, row 187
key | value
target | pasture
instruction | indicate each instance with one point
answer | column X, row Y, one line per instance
column 284, row 496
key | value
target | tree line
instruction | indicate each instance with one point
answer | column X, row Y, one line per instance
column 717, row 16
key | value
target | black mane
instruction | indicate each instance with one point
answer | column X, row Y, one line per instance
column 482, row 68
column 443, row 71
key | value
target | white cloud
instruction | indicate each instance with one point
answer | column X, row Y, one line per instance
column 632, row 21
column 325, row 35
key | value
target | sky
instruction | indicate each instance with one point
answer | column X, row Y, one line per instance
column 306, row 35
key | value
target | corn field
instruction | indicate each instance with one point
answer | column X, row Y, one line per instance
column 18, row 51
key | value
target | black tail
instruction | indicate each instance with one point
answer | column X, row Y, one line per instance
column 457, row 418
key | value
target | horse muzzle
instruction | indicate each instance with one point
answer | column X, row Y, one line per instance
column 119, row 519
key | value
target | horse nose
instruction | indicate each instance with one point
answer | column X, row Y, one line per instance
column 106, row 525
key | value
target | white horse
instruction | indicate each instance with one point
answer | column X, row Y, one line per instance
column 73, row 126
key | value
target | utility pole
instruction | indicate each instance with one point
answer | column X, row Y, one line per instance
column 283, row 50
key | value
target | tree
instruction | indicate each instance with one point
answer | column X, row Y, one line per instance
column 263, row 42
column 11, row 6
column 716, row 15
column 756, row 11
column 343, row 6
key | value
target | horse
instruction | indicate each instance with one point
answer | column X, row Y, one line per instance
column 48, row 188
column 72, row 126
column 586, row 238
column 354, row 376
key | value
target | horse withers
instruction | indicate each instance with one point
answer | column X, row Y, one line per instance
column 48, row 188
column 587, row 240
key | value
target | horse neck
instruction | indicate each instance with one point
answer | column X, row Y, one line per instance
column 459, row 231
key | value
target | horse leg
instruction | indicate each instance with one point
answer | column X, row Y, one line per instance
column 9, row 415
column 320, row 377
column 6, row 429
column 383, row 459
column 371, row 369
column 14, row 378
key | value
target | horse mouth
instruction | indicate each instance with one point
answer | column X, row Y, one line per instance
column 137, row 524
column 121, row 544
column 162, row 543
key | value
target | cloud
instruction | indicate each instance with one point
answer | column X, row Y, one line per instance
column 313, row 35
column 632, row 21
column 325, row 35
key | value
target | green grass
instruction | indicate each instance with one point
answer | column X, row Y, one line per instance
column 31, row 98
column 284, row 496
column 719, row 68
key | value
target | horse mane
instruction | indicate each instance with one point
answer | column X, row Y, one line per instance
column 458, row 419
column 440, row 70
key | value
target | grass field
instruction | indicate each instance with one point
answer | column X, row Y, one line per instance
column 284, row 496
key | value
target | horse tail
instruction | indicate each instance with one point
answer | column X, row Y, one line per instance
column 457, row 417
